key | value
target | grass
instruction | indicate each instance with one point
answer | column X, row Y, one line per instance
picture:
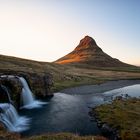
column 76, row 81
column 4, row 135
column 123, row 115
column 65, row 76
column 66, row 136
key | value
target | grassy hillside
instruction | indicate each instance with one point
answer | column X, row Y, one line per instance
column 67, row 75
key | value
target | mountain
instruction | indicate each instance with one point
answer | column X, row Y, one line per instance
column 87, row 64
column 89, row 53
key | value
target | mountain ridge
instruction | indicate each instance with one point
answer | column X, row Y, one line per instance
column 89, row 53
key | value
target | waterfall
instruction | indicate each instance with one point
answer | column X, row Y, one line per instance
column 4, row 90
column 11, row 120
column 27, row 97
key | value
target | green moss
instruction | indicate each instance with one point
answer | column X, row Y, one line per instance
column 124, row 115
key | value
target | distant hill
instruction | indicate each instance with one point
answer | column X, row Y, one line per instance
column 89, row 53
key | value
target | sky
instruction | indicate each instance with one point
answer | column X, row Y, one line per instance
column 46, row 30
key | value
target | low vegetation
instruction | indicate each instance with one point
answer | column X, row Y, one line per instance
column 66, row 136
column 123, row 115
column 65, row 76
column 4, row 135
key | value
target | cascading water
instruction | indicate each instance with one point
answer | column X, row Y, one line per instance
column 4, row 90
column 11, row 120
column 27, row 97
column 8, row 114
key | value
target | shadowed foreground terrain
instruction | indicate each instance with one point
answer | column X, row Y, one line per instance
column 4, row 135
column 60, row 136
column 66, row 136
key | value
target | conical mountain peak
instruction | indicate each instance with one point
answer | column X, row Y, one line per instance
column 86, row 43
column 87, row 40
column 88, row 53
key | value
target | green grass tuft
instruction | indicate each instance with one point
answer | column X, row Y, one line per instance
column 123, row 115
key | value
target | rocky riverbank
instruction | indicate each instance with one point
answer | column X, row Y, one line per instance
column 106, row 129
column 119, row 118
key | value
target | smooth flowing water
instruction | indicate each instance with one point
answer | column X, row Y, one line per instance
column 132, row 91
column 10, row 118
column 8, row 114
column 69, row 112
column 27, row 96
column 64, row 113
column 5, row 93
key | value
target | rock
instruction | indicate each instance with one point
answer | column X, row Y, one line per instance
column 49, row 82
column 87, row 41
column 13, row 86
column 99, row 124
column 40, row 84
column 118, row 98
column 106, row 129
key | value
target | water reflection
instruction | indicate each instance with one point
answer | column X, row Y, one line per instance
column 69, row 113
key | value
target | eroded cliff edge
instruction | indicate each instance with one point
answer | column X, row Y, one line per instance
column 40, row 84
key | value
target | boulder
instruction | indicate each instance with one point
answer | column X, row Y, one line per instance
column 106, row 129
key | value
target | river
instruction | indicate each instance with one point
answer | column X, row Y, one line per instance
column 68, row 110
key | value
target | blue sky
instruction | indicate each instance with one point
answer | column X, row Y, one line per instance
column 45, row 30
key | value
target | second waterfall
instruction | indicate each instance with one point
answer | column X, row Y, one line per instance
column 27, row 96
